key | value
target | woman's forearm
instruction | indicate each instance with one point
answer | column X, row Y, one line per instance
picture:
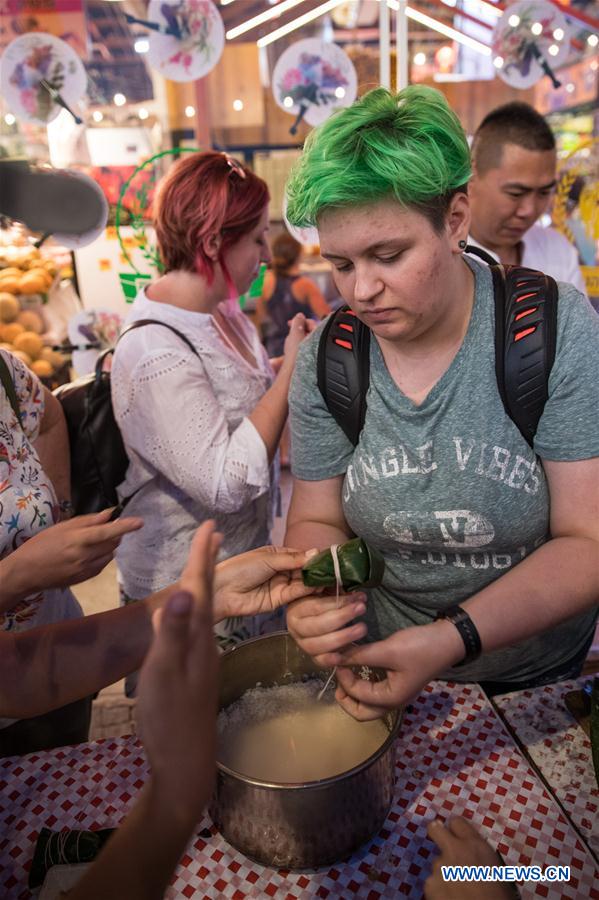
column 305, row 534
column 556, row 582
column 47, row 667
column 269, row 416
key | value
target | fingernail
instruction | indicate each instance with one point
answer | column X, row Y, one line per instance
column 310, row 553
column 360, row 598
column 180, row 603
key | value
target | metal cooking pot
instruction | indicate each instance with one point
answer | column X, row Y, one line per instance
column 297, row 826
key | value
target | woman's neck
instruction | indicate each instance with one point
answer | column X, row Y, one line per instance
column 291, row 271
column 187, row 290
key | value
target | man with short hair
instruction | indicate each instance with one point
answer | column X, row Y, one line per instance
column 514, row 176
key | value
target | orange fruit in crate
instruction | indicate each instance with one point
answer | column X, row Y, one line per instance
column 30, row 283
column 31, row 321
column 41, row 273
column 9, row 332
column 9, row 307
column 10, row 272
column 42, row 368
column 10, row 284
column 56, row 360
column 30, row 343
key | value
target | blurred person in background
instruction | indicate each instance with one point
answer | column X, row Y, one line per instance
column 514, row 164
column 286, row 293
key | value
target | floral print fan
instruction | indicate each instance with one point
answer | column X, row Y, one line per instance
column 39, row 75
column 187, row 38
column 313, row 78
column 531, row 38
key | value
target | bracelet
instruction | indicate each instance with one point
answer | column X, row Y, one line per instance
column 66, row 508
column 468, row 632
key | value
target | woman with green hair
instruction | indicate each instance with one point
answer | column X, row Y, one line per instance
column 491, row 547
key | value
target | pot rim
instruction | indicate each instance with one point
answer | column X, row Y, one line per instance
column 323, row 782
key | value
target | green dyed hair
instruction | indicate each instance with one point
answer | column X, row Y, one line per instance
column 410, row 146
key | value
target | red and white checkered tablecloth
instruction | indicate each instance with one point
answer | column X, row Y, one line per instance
column 454, row 757
column 559, row 748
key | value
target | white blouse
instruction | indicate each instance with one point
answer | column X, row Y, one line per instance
column 193, row 452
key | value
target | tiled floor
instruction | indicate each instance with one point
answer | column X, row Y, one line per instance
column 113, row 713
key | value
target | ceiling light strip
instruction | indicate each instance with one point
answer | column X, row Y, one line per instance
column 271, row 13
column 461, row 13
column 443, row 29
column 297, row 23
column 496, row 9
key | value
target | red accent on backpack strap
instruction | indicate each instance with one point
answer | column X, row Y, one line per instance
column 522, row 334
column 346, row 344
column 526, row 312
column 346, row 327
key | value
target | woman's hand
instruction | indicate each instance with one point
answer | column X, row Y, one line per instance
column 177, row 695
column 299, row 329
column 259, row 581
column 322, row 627
column 412, row 658
column 461, row 845
column 63, row 554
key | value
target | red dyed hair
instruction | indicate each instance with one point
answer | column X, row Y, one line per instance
column 204, row 194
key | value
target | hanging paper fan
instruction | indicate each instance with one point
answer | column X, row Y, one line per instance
column 91, row 331
column 529, row 41
column 39, row 74
column 313, row 78
column 307, row 236
column 576, row 205
column 189, row 39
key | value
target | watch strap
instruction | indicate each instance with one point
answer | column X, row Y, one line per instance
column 468, row 632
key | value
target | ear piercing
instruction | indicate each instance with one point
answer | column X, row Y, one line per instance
column 462, row 244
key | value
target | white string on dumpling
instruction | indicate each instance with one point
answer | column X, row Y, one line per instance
column 339, row 584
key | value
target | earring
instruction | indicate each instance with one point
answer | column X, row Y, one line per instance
column 462, row 244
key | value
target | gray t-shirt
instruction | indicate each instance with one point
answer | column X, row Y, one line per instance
column 450, row 491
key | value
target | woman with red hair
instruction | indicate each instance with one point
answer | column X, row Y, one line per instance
column 194, row 394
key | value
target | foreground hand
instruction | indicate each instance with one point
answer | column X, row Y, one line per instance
column 461, row 845
column 259, row 581
column 412, row 658
column 71, row 551
column 299, row 328
column 321, row 626
column 177, row 694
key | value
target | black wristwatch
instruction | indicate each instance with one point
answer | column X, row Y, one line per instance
column 468, row 632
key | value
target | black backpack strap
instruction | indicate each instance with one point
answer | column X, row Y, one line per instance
column 9, row 386
column 343, row 370
column 141, row 322
column 525, row 341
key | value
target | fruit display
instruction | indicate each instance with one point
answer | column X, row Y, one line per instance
column 26, row 277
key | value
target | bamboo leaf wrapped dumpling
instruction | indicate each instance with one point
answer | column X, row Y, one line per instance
column 360, row 566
